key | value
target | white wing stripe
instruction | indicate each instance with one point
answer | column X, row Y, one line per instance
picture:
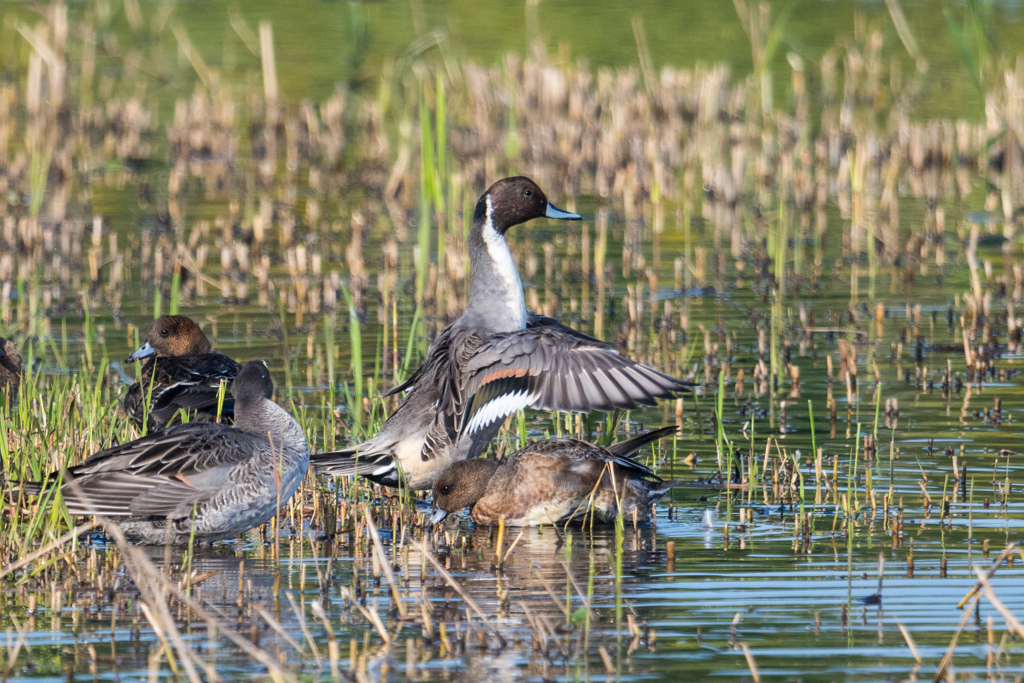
column 500, row 407
column 383, row 470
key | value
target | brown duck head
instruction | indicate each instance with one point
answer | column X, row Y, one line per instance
column 172, row 336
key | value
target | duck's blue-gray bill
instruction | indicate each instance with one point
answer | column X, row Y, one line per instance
column 144, row 351
column 554, row 212
column 437, row 516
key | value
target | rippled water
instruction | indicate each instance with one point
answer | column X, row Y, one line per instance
column 797, row 601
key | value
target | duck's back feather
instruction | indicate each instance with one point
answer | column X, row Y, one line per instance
column 191, row 384
column 162, row 474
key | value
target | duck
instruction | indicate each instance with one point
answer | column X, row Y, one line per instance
column 495, row 359
column 186, row 375
column 554, row 481
column 199, row 481
column 10, row 368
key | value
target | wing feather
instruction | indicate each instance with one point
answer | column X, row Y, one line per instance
column 550, row 367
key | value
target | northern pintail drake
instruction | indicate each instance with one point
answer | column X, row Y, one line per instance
column 493, row 361
column 186, row 375
column 554, row 481
column 10, row 369
column 220, row 480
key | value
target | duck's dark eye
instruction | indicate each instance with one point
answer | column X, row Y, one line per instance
column 529, row 193
column 164, row 332
column 445, row 490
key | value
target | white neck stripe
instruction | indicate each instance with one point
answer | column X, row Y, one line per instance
column 504, row 267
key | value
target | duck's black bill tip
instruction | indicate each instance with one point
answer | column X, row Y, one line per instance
column 144, row 351
column 436, row 517
column 554, row 212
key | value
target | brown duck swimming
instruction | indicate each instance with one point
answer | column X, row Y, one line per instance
column 186, row 375
column 552, row 481
column 219, row 479
column 494, row 360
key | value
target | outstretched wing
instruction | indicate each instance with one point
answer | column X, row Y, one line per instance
column 553, row 368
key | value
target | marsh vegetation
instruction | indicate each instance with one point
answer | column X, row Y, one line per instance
column 838, row 266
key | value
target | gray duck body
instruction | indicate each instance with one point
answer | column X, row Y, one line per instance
column 214, row 479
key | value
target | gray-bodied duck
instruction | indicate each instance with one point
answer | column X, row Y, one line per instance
column 220, row 480
column 553, row 481
column 493, row 361
column 186, row 375
column 10, row 369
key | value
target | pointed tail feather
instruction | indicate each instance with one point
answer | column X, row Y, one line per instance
column 35, row 488
column 631, row 447
column 348, row 462
column 325, row 459
column 31, row 488
column 658, row 490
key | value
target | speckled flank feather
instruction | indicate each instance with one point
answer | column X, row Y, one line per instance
column 488, row 364
column 552, row 481
column 222, row 477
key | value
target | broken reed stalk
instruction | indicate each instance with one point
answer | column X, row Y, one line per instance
column 947, row 658
column 972, row 598
column 370, row 614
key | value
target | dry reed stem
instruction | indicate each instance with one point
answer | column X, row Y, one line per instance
column 947, row 658
column 1011, row 621
column 450, row 580
column 909, row 641
column 751, row 664
column 301, row 618
column 274, row 624
column 383, row 560
column 989, row 573
column 370, row 615
column 33, row 556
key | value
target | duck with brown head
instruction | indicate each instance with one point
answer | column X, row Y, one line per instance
column 185, row 373
column 496, row 359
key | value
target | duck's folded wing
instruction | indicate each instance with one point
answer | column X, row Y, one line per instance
column 193, row 386
column 549, row 368
column 183, row 449
column 162, row 474
column 192, row 398
column 120, row 494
